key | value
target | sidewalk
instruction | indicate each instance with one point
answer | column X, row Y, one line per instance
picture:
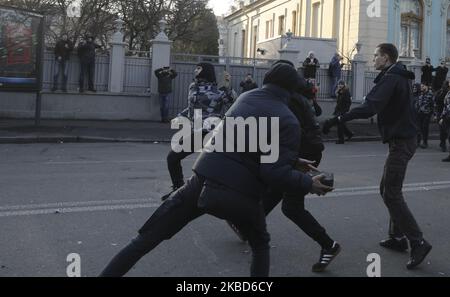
column 55, row 131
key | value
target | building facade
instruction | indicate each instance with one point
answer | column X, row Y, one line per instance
column 418, row 27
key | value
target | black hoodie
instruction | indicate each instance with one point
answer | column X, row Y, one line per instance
column 391, row 100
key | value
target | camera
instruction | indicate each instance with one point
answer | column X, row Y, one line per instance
column 327, row 180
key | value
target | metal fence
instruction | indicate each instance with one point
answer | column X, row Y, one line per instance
column 101, row 76
column 369, row 77
column 137, row 74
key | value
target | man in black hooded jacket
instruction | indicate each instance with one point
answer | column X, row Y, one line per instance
column 234, row 192
column 391, row 99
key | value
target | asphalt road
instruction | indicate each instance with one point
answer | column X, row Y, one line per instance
column 89, row 199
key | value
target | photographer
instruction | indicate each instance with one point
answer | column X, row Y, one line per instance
column 391, row 99
column 165, row 76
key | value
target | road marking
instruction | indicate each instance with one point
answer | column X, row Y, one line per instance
column 101, row 162
column 385, row 155
column 130, row 204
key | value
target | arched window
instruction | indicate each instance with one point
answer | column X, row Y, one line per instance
column 411, row 27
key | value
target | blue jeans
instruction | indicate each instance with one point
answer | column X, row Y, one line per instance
column 61, row 67
column 164, row 106
column 333, row 83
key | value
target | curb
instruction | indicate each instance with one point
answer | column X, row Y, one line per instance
column 93, row 139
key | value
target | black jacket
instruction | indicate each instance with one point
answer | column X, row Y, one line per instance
column 311, row 136
column 344, row 102
column 391, row 99
column 310, row 69
column 86, row 52
column 441, row 76
column 165, row 77
column 248, row 85
column 427, row 74
column 440, row 98
column 244, row 172
column 63, row 49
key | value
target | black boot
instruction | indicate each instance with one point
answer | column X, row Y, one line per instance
column 446, row 159
column 418, row 253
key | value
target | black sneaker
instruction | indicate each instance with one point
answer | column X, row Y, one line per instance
column 418, row 254
column 326, row 256
column 398, row 245
column 446, row 159
column 239, row 234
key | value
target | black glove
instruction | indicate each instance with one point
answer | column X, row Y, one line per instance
column 330, row 123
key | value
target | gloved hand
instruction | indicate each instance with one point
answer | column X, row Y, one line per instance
column 330, row 123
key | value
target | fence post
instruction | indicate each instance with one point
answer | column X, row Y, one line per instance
column 117, row 60
column 358, row 74
column 161, row 47
column 289, row 52
column 416, row 66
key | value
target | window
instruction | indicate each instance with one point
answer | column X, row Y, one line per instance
column 315, row 20
column 411, row 27
column 244, row 44
column 281, row 28
column 294, row 23
column 255, row 40
column 269, row 29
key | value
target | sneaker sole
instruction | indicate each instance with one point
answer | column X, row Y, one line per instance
column 322, row 269
column 410, row 267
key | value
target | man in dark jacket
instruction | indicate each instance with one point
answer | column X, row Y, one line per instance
column 343, row 104
column 391, row 100
column 248, row 84
column 310, row 66
column 86, row 53
column 165, row 76
column 234, row 192
column 427, row 73
column 441, row 76
column 335, row 72
column 440, row 104
column 63, row 49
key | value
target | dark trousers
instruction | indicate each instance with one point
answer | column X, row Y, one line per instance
column 175, row 213
column 89, row 69
column 343, row 131
column 293, row 207
column 164, row 106
column 174, row 164
column 444, row 130
column 61, row 67
column 424, row 125
column 402, row 222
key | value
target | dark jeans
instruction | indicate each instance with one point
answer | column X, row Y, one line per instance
column 164, row 106
column 61, row 67
column 343, row 131
column 89, row 68
column 424, row 126
column 444, row 130
column 293, row 207
column 174, row 214
column 174, row 164
column 402, row 222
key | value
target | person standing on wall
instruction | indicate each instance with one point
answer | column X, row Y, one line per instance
column 165, row 76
